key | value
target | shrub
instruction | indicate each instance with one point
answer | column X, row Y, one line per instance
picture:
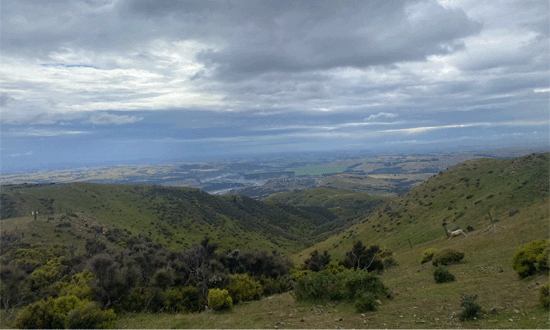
column 447, row 257
column 346, row 285
column 282, row 283
column 64, row 312
column 366, row 303
column 531, row 258
column 471, row 308
column 90, row 316
column 427, row 255
column 361, row 281
column 298, row 273
column 316, row 286
column 243, row 288
column 544, row 295
column 37, row 316
column 219, row 299
column 186, row 299
column 442, row 275
column 335, row 269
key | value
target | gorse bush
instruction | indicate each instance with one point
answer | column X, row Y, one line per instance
column 447, row 256
column 64, row 312
column 442, row 275
column 90, row 316
column 219, row 299
column 471, row 308
column 544, row 295
column 243, row 288
column 427, row 255
column 531, row 258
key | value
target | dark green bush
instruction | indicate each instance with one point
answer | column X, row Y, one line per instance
column 427, row 255
column 366, row 302
column 447, row 256
column 142, row 299
column 219, row 299
column 544, row 295
column 90, row 316
column 442, row 275
column 315, row 286
column 346, row 285
column 186, row 299
column 531, row 258
column 243, row 288
column 271, row 286
column 471, row 308
column 361, row 281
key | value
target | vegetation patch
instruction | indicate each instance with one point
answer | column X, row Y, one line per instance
column 427, row 255
column 531, row 258
column 317, row 170
column 471, row 309
column 447, row 256
column 442, row 275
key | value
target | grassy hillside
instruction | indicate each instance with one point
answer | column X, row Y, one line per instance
column 513, row 191
column 344, row 203
column 175, row 217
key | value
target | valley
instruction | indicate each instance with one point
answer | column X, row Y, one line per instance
column 501, row 204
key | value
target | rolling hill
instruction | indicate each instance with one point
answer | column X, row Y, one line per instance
column 175, row 217
column 477, row 193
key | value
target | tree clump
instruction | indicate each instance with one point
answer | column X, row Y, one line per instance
column 370, row 259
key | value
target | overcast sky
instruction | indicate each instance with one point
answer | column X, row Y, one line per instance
column 114, row 80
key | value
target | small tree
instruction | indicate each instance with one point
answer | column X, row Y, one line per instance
column 317, row 261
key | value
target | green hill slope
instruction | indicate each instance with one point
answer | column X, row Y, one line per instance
column 344, row 203
column 513, row 193
column 175, row 217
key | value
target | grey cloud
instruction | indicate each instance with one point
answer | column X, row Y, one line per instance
column 5, row 99
column 355, row 34
column 254, row 36
column 107, row 119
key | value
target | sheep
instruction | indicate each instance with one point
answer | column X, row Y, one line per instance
column 453, row 233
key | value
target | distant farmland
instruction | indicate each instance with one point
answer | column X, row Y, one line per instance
column 317, row 170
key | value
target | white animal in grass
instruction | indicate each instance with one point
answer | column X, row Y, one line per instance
column 456, row 232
